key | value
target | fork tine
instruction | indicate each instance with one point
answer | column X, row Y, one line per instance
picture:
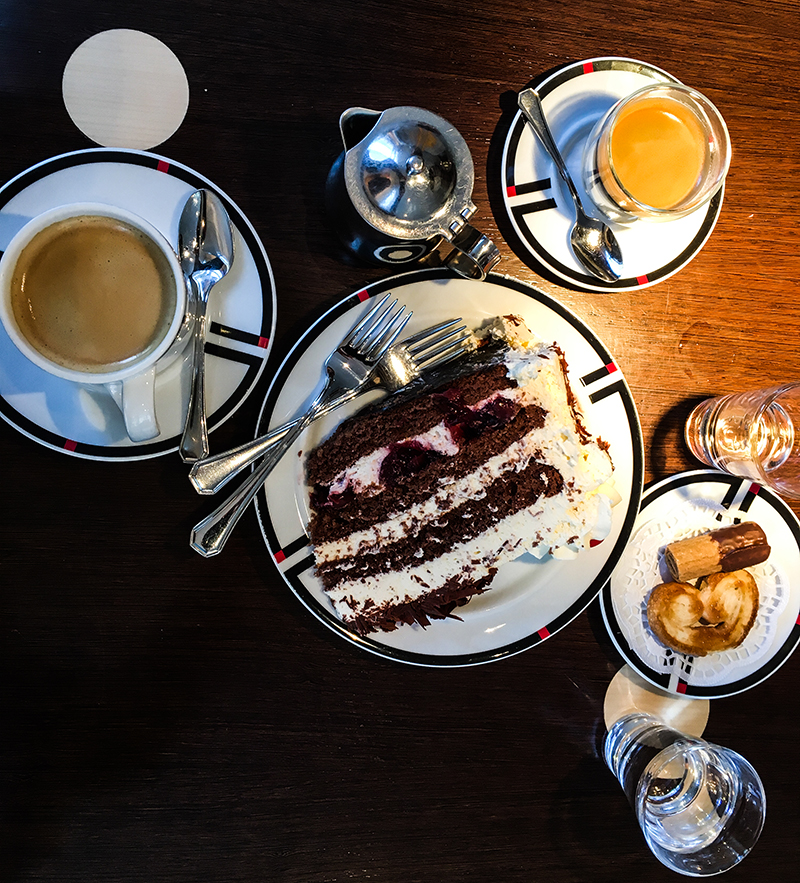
column 459, row 343
column 378, row 328
column 391, row 334
column 418, row 351
column 444, row 359
column 378, row 322
column 413, row 339
column 445, row 353
column 365, row 322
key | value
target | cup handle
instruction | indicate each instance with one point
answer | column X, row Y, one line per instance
column 473, row 254
column 136, row 399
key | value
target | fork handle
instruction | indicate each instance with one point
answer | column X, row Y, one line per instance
column 212, row 473
column 209, row 536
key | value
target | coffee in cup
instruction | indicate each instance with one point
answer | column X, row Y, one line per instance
column 657, row 154
column 95, row 294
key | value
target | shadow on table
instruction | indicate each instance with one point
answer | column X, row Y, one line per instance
column 668, row 440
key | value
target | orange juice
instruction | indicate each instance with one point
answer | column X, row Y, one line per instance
column 658, row 150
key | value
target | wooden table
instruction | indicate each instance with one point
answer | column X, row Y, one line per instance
column 169, row 718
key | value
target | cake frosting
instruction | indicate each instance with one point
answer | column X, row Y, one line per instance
column 415, row 506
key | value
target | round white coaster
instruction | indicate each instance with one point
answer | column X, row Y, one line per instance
column 628, row 692
column 124, row 88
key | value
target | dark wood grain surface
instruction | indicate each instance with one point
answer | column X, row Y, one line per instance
column 169, row 718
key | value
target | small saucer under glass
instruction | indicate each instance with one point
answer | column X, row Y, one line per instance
column 539, row 207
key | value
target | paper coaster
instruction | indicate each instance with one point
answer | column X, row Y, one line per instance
column 628, row 692
column 124, row 88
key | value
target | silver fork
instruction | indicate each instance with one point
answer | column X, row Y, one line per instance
column 402, row 364
column 348, row 368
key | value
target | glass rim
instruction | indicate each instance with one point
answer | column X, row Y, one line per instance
column 713, row 114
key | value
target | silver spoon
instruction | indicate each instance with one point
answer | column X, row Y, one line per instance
column 593, row 242
column 205, row 247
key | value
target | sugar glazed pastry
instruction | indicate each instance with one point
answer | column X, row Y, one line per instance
column 718, row 612
column 715, row 615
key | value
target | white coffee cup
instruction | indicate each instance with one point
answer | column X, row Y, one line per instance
column 95, row 294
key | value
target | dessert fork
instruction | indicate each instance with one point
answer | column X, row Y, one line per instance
column 348, row 368
column 402, row 364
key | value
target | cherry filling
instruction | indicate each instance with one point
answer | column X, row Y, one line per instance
column 322, row 498
column 407, row 459
column 404, row 461
column 467, row 423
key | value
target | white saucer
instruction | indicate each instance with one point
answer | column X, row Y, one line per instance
column 86, row 423
column 684, row 505
column 538, row 203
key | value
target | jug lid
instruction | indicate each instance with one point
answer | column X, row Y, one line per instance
column 412, row 175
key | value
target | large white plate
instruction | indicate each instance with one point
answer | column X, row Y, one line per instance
column 530, row 600
column 574, row 97
column 679, row 506
column 84, row 422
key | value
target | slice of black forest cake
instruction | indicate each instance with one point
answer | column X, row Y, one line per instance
column 415, row 505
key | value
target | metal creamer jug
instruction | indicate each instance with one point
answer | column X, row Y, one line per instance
column 403, row 187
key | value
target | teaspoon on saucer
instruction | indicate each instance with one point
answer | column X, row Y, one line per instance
column 593, row 242
column 205, row 248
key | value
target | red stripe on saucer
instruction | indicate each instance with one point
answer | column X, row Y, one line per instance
column 263, row 342
column 511, row 191
column 642, row 280
column 363, row 295
column 588, row 67
column 70, row 445
column 543, row 633
column 279, row 556
column 162, row 166
column 611, row 367
column 754, row 488
column 681, row 688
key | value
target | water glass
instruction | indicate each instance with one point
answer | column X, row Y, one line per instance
column 658, row 154
column 701, row 807
column 752, row 435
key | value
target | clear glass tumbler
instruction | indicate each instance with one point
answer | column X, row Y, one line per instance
column 701, row 807
column 658, row 154
column 751, row 434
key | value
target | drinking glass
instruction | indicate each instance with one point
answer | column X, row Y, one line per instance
column 701, row 807
column 656, row 155
column 751, row 434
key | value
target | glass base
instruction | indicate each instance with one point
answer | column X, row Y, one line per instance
column 701, row 807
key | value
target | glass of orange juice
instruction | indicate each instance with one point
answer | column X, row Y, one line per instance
column 657, row 154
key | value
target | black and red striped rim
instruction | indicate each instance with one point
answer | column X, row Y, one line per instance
column 292, row 574
column 260, row 338
column 730, row 487
column 546, row 84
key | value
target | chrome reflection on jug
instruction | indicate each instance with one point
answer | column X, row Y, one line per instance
column 403, row 187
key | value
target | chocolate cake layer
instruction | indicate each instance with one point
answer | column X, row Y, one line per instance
column 505, row 496
column 438, row 604
column 363, row 433
column 334, row 519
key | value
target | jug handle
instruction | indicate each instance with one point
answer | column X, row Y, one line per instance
column 473, row 255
